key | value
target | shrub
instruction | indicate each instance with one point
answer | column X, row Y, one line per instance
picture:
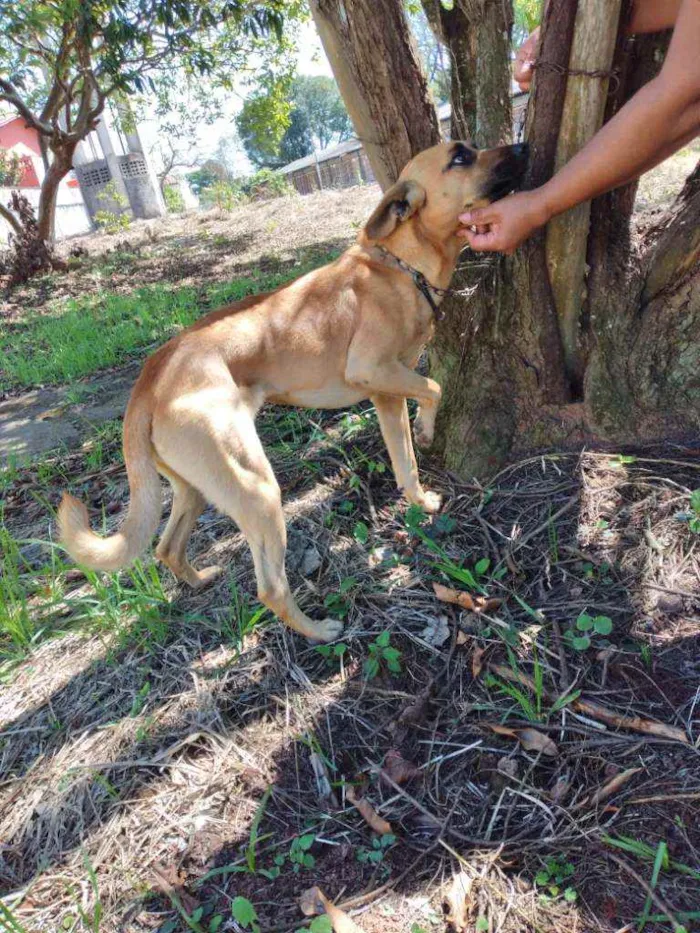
column 174, row 200
column 267, row 184
column 112, row 216
column 223, row 194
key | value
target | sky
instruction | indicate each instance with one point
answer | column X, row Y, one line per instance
column 311, row 60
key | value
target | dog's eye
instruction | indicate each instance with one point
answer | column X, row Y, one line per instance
column 462, row 157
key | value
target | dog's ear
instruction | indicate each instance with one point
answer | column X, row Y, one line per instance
column 400, row 202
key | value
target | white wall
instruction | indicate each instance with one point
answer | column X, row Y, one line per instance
column 71, row 216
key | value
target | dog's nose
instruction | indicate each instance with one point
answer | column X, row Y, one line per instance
column 521, row 150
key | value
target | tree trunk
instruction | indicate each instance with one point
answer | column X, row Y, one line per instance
column 375, row 62
column 58, row 169
column 554, row 350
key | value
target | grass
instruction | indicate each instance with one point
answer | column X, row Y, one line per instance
column 82, row 335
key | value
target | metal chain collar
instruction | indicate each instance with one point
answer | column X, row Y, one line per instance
column 426, row 288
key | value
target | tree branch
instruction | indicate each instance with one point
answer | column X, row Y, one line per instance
column 11, row 219
column 11, row 95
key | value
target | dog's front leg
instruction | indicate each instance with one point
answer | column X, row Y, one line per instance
column 396, row 431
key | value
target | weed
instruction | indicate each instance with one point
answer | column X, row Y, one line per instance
column 333, row 654
column 299, row 854
column 552, row 878
column 376, row 853
column 580, row 635
column 245, row 914
column 245, row 617
column 693, row 516
column 361, row 533
column 338, row 603
column 381, row 655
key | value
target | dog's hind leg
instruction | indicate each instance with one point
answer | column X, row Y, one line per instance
column 188, row 505
column 218, row 451
column 396, row 431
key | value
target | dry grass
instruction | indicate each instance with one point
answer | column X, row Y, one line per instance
column 156, row 786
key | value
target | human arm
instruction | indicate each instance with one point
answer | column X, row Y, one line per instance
column 658, row 120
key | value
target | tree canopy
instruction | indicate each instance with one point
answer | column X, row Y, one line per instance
column 62, row 60
column 285, row 121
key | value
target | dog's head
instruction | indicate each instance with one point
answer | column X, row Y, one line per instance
column 442, row 182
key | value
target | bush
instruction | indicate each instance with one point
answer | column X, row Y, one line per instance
column 267, row 184
column 174, row 200
column 223, row 194
column 112, row 217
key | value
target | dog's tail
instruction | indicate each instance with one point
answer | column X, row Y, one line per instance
column 145, row 505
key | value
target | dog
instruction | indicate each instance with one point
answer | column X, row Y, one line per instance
column 349, row 331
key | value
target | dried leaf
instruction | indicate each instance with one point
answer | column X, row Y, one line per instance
column 462, row 638
column 456, row 597
column 607, row 790
column 530, row 739
column 459, row 902
column 501, row 730
column 477, row 660
column 169, row 881
column 368, row 813
column 534, row 741
column 397, row 768
column 314, row 902
column 465, row 600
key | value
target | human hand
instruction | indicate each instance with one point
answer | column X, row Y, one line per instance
column 525, row 58
column 505, row 224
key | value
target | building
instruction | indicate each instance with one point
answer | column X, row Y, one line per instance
column 111, row 173
column 21, row 140
column 346, row 164
column 113, row 170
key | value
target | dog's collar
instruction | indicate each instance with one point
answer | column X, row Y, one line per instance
column 426, row 288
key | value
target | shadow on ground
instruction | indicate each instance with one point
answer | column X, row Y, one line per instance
column 155, row 753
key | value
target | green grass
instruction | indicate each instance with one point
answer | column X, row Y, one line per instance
column 83, row 335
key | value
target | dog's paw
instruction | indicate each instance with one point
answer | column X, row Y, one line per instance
column 327, row 630
column 430, row 501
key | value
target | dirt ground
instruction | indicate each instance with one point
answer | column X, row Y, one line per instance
column 164, row 752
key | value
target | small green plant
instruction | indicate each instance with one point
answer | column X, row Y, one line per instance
column 382, row 655
column 376, row 853
column 173, row 198
column 299, row 854
column 361, row 533
column 245, row 914
column 338, row 604
column 586, row 626
column 333, row 654
column 245, row 617
column 321, row 924
column 553, row 880
column 693, row 516
column 112, row 216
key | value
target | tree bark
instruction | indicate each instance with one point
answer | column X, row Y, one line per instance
column 58, row 169
column 376, row 66
column 631, row 319
column 7, row 214
column 592, row 51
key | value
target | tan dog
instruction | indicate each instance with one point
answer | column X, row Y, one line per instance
column 349, row 331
